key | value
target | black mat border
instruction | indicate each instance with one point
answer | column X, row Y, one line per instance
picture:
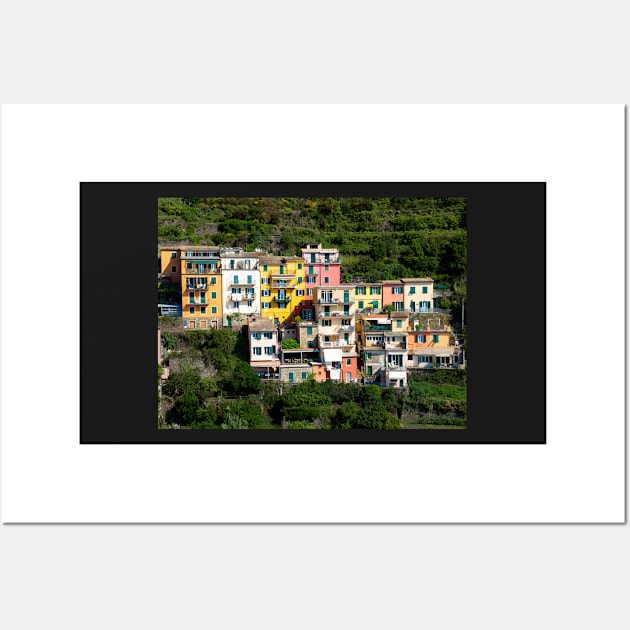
column 506, row 309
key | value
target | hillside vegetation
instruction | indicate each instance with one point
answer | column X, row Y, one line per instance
column 378, row 238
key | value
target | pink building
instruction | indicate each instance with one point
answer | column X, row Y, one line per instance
column 394, row 294
column 322, row 268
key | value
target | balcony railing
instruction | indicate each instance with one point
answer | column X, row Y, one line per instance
column 282, row 285
column 282, row 300
column 242, row 283
column 347, row 328
column 197, row 271
column 196, row 287
column 336, row 314
column 378, row 328
column 331, row 344
column 197, row 303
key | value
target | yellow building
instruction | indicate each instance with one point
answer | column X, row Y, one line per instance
column 368, row 296
column 282, row 286
column 201, row 286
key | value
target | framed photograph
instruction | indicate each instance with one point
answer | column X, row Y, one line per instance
column 319, row 312
column 536, row 194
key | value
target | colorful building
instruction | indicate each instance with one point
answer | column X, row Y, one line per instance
column 369, row 295
column 394, row 294
column 264, row 346
column 432, row 346
column 335, row 314
column 322, row 267
column 418, row 295
column 240, row 283
column 282, row 287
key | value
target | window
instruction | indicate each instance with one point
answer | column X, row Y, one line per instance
column 249, row 280
column 264, row 281
column 257, row 351
column 303, row 376
column 309, row 330
column 213, row 295
column 281, row 269
column 436, row 338
column 397, row 290
column 191, row 297
column 412, row 290
column 203, row 310
column 269, row 349
column 373, row 339
column 399, row 323
column 265, row 269
column 266, row 292
column 424, row 359
column 398, row 306
column 326, row 322
column 312, row 257
column 421, row 338
column 249, row 303
column 235, row 279
column 410, row 357
column 299, row 265
column 309, row 343
column 346, row 296
column 348, row 361
column 213, row 280
column 256, row 335
column 235, row 290
column 346, row 322
column 326, row 279
column 290, row 377
column 265, row 304
column 173, row 269
column 309, row 292
column 268, row 335
column 214, row 310
column 361, row 304
column 360, row 290
column 300, row 292
column 191, row 310
column 173, row 254
column 310, row 280
column 326, row 267
column 299, row 279
column 369, row 369
column 376, row 290
column 425, row 289
column 310, row 270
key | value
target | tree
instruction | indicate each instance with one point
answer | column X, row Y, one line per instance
column 290, row 344
column 186, row 408
column 243, row 380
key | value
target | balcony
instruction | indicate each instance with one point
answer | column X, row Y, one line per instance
column 331, row 344
column 196, row 287
column 197, row 303
column 283, row 285
column 282, row 300
column 347, row 329
column 197, row 271
column 336, row 315
column 242, row 283
column 378, row 328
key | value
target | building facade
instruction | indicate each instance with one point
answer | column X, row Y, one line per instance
column 282, row 287
column 264, row 347
column 322, row 267
column 240, row 282
column 200, row 271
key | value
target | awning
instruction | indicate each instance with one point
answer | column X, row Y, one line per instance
column 434, row 351
column 332, row 355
